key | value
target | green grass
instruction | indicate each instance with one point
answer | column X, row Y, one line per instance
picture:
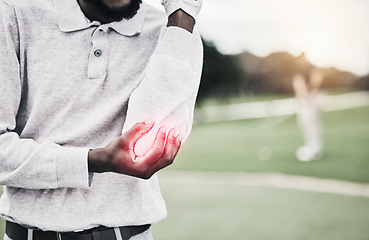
column 234, row 146
column 259, row 213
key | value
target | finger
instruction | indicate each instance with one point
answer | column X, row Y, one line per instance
column 170, row 152
column 172, row 147
column 157, row 150
column 135, row 132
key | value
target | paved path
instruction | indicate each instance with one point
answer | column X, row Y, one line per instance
column 275, row 180
column 275, row 108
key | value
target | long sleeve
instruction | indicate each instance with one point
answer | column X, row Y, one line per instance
column 167, row 94
column 25, row 163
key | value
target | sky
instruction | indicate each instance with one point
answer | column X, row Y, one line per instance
column 331, row 33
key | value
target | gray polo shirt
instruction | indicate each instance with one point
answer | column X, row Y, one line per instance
column 69, row 85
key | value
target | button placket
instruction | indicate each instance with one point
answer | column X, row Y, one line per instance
column 98, row 56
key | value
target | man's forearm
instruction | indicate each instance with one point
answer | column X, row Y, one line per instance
column 181, row 19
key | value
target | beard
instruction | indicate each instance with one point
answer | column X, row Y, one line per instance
column 116, row 13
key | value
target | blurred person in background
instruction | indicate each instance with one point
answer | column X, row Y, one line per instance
column 309, row 119
column 73, row 74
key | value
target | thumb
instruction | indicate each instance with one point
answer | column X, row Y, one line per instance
column 135, row 132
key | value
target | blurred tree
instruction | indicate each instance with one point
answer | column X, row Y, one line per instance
column 222, row 75
column 363, row 83
column 225, row 76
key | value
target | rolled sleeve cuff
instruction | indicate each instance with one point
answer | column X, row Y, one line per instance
column 72, row 168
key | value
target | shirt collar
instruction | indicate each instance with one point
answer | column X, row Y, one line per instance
column 71, row 18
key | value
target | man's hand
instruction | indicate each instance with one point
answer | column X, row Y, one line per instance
column 119, row 156
column 191, row 7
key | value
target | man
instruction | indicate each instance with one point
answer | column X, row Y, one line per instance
column 75, row 75
column 309, row 120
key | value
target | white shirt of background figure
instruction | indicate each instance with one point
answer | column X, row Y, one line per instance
column 309, row 120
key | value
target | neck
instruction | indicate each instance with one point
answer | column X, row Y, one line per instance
column 91, row 13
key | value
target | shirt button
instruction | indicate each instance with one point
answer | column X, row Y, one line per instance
column 98, row 53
